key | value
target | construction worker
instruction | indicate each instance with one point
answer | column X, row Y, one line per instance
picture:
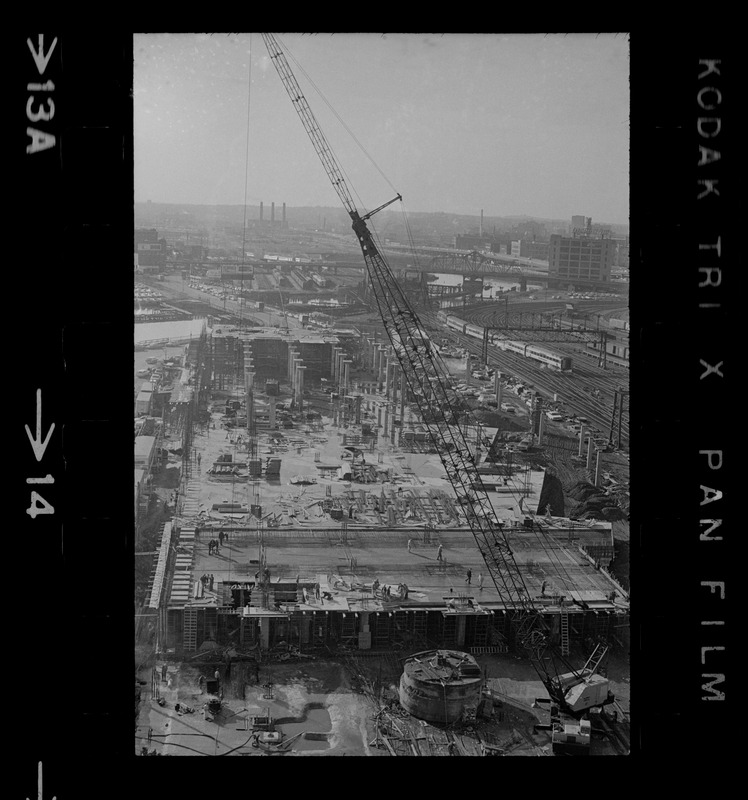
column 439, row 553
column 468, row 576
column 480, row 580
column 410, row 545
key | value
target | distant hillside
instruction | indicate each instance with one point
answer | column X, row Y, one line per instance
column 388, row 223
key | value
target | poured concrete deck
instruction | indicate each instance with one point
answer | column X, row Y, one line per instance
column 416, row 503
column 323, row 556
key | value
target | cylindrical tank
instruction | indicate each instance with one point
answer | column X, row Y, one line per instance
column 441, row 686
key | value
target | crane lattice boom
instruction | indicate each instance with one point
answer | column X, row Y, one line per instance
column 437, row 399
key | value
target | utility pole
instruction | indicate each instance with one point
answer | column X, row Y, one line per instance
column 618, row 399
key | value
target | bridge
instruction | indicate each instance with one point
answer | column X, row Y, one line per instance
column 478, row 265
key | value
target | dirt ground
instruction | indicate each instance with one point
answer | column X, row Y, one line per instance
column 329, row 707
column 311, row 703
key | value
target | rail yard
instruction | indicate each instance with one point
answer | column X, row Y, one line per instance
column 586, row 389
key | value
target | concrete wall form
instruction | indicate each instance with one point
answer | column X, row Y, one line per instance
column 415, row 627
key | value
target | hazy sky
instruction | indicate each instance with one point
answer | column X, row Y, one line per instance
column 511, row 124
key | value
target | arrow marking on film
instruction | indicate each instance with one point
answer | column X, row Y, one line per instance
column 37, row 443
column 39, row 792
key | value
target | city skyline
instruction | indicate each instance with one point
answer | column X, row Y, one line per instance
column 517, row 125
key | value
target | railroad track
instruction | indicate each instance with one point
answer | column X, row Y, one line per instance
column 578, row 389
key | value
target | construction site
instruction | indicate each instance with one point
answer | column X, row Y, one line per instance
column 335, row 556
column 312, row 516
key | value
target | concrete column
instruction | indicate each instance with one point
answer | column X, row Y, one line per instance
column 386, row 419
column 292, row 354
column 392, row 426
column 264, row 633
column 302, row 370
column 597, row 467
column 541, row 425
column 381, row 365
column 271, row 414
column 251, row 379
column 461, row 619
column 346, row 374
column 589, row 453
column 581, row 441
column 403, row 392
column 497, row 387
column 364, row 633
column 333, row 355
column 339, row 368
column 358, row 410
column 387, row 367
column 297, row 367
column 395, row 380
column 379, row 416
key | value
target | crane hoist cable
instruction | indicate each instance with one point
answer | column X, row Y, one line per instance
column 335, row 113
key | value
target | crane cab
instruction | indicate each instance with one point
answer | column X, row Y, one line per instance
column 584, row 692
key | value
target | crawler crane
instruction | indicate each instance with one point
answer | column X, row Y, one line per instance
column 573, row 692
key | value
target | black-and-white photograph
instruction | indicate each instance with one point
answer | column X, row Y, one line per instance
column 381, row 394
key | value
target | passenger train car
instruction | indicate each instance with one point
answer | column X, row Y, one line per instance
column 545, row 355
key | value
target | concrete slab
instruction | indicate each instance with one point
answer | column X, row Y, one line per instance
column 301, row 539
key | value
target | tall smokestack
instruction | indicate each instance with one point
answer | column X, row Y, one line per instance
column 260, row 210
column 272, row 213
column 284, row 215
column 481, row 223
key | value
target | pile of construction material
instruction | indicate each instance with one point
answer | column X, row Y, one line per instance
column 595, row 503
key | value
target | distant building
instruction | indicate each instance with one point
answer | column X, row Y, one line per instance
column 525, row 249
column 501, row 243
column 577, row 221
column 149, row 249
column 582, row 226
column 580, row 258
